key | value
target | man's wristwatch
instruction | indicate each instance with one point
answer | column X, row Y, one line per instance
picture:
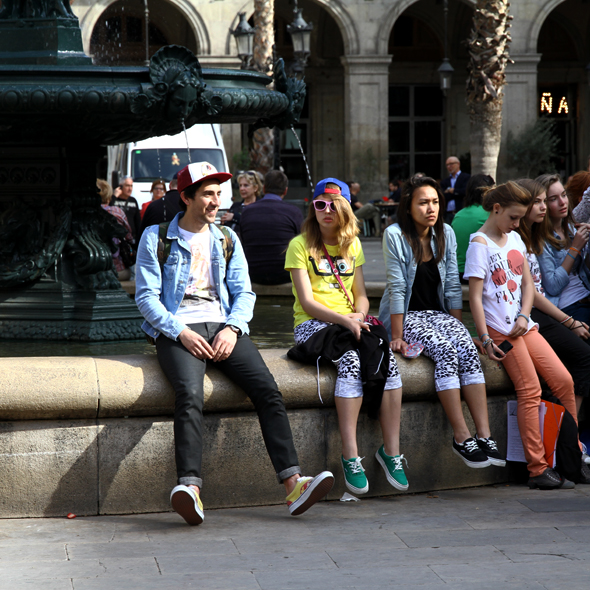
column 235, row 330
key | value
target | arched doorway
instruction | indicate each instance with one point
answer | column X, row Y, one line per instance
column 425, row 126
column 118, row 38
column 563, row 81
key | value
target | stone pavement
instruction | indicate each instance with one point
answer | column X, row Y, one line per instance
column 492, row 538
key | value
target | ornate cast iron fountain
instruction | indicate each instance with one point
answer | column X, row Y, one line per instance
column 57, row 112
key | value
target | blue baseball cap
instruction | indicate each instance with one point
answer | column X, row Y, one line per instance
column 320, row 188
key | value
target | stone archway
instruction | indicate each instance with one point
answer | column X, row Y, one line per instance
column 389, row 20
column 195, row 22
column 537, row 20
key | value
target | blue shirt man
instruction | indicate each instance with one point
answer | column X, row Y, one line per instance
column 266, row 228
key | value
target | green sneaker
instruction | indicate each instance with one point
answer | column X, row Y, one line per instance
column 354, row 475
column 393, row 468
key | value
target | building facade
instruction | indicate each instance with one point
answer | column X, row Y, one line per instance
column 374, row 109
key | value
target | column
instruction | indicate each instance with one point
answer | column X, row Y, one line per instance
column 366, row 129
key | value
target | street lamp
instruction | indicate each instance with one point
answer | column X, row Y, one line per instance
column 300, row 32
column 244, row 36
column 445, row 70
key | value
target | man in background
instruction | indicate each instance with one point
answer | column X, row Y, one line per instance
column 164, row 209
column 367, row 211
column 454, row 187
column 266, row 228
column 122, row 198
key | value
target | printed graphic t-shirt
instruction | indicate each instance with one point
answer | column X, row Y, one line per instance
column 535, row 271
column 324, row 285
column 200, row 302
column 501, row 269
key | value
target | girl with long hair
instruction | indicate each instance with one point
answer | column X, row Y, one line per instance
column 331, row 306
column 564, row 259
column 501, row 295
column 423, row 304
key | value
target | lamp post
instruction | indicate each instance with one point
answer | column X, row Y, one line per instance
column 244, row 36
column 146, row 18
column 445, row 70
column 300, row 32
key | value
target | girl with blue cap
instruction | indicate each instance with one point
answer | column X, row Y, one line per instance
column 331, row 308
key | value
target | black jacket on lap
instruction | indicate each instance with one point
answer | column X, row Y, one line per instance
column 335, row 340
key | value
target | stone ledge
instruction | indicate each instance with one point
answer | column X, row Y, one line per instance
column 61, row 388
column 122, row 466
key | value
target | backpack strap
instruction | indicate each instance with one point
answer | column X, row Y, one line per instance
column 164, row 244
column 228, row 244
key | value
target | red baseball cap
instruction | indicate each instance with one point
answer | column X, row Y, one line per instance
column 197, row 172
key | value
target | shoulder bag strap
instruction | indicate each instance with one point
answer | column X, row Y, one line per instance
column 337, row 275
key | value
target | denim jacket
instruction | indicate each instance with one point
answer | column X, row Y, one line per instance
column 400, row 267
column 159, row 298
column 554, row 277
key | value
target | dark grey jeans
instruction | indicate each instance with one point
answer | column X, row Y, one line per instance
column 245, row 368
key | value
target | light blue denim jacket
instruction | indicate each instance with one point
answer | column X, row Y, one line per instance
column 554, row 277
column 400, row 267
column 159, row 298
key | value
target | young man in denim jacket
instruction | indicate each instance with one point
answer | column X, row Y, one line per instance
column 197, row 307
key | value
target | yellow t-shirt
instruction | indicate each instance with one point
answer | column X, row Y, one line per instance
column 324, row 285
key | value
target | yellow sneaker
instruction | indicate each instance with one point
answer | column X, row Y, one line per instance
column 187, row 503
column 308, row 491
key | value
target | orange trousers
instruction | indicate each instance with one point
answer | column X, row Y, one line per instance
column 532, row 354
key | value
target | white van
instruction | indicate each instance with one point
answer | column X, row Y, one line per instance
column 163, row 156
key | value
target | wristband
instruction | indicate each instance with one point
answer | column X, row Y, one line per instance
column 521, row 315
column 482, row 336
column 575, row 249
column 487, row 343
column 571, row 256
column 566, row 319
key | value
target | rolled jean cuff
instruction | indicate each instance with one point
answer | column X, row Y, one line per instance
column 190, row 481
column 287, row 473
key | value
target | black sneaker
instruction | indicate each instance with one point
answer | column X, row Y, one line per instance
column 550, row 480
column 490, row 448
column 584, row 474
column 470, row 452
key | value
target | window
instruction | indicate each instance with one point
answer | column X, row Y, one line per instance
column 415, row 131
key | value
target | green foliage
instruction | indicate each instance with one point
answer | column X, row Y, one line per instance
column 241, row 160
column 532, row 151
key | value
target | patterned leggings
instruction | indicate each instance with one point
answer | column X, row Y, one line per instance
column 348, row 379
column 448, row 343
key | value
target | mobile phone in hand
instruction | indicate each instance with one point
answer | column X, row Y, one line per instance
column 505, row 346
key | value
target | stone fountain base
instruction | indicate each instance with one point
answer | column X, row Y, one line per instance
column 50, row 310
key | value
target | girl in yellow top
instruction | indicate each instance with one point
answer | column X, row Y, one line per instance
column 320, row 302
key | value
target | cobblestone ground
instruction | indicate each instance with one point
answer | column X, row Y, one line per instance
column 491, row 538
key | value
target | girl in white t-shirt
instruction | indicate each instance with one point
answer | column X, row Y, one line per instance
column 501, row 294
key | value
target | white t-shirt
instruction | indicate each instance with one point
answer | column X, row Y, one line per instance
column 501, row 269
column 535, row 271
column 200, row 302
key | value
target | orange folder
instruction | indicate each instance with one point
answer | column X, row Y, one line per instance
column 551, row 420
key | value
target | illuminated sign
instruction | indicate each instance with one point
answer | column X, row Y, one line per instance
column 554, row 103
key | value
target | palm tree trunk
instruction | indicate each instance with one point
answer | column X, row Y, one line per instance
column 488, row 58
column 262, row 150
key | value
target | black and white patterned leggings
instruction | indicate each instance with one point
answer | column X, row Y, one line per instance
column 448, row 343
column 348, row 379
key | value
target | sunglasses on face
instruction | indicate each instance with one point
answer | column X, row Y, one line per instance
column 320, row 205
